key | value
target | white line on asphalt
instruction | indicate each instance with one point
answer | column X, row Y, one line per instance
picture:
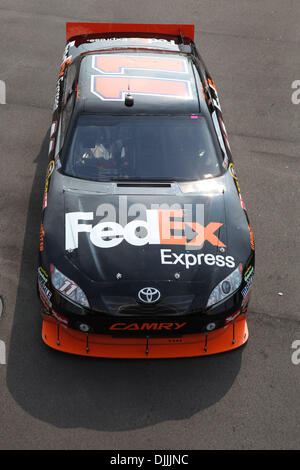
column 2, row 92
column 2, row 353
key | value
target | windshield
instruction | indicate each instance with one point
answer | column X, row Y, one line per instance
column 164, row 148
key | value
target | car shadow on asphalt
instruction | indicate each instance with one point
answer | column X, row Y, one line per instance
column 101, row 394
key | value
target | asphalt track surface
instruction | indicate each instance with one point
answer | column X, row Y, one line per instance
column 248, row 398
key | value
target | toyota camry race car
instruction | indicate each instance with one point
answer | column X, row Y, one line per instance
column 146, row 249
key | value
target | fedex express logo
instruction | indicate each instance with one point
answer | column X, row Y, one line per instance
column 161, row 227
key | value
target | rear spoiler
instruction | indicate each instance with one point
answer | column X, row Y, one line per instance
column 81, row 29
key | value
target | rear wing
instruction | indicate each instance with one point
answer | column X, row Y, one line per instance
column 81, row 29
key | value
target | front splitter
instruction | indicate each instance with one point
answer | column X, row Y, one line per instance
column 62, row 338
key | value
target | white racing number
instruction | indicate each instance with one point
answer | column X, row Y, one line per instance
column 67, row 287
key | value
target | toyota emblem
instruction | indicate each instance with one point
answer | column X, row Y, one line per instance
column 149, row 295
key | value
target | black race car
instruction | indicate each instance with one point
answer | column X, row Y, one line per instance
column 146, row 249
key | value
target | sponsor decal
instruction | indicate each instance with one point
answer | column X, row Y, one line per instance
column 45, row 200
column 57, row 93
column 140, row 40
column 45, row 310
column 49, row 171
column 242, row 202
column 225, row 161
column 215, row 97
column 159, row 226
column 60, row 318
column 48, row 174
column 52, row 138
column 67, row 50
column 217, row 124
column 43, row 274
column 42, row 234
column 251, row 237
column 165, row 42
column 147, row 326
column 247, row 287
column 234, row 176
column 190, row 259
column 51, row 146
column 45, row 294
column 66, row 59
column 232, row 171
column 224, row 133
column 245, row 302
column 248, row 272
column 63, row 66
column 232, row 317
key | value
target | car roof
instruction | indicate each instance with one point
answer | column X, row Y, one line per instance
column 160, row 82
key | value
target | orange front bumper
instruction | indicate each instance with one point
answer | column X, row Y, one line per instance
column 64, row 339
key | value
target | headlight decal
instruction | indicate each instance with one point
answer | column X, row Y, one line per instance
column 226, row 287
column 68, row 288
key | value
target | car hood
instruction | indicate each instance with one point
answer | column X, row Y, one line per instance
column 139, row 248
column 206, row 239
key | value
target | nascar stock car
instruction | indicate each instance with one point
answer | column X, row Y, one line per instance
column 146, row 249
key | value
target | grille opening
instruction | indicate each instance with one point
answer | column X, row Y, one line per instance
column 128, row 306
column 145, row 309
